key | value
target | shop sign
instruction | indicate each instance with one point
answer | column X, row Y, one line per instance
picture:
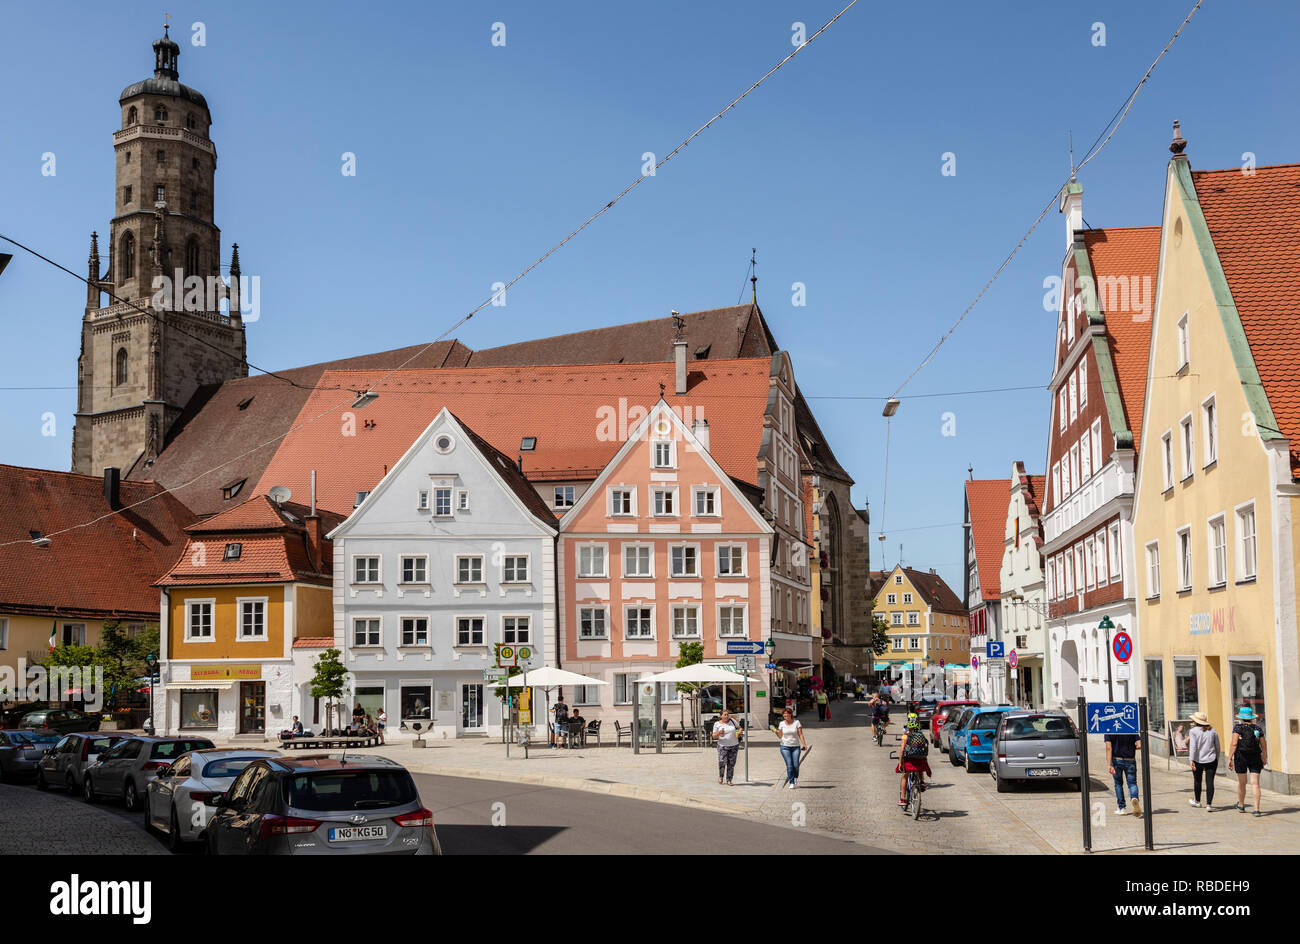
column 221, row 672
column 1222, row 620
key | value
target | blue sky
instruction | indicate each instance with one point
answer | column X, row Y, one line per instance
column 472, row 159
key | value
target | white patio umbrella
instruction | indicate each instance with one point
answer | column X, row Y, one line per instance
column 703, row 673
column 546, row 678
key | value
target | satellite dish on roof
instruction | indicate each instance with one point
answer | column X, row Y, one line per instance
column 279, row 494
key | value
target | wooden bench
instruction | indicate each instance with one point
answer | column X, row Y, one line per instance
column 329, row 743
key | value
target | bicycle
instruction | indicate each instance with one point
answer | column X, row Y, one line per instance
column 912, row 796
column 879, row 732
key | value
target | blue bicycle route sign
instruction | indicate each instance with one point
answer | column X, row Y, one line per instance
column 1113, row 717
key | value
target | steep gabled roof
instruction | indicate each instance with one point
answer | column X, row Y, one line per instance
column 101, row 570
column 935, row 591
column 987, row 501
column 509, row 473
column 1254, row 223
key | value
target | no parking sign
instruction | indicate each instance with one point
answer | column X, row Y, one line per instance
column 1122, row 646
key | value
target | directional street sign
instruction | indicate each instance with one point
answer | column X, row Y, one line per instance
column 995, row 650
column 1113, row 717
column 1122, row 645
column 769, row 665
column 494, row 675
column 745, row 647
column 745, row 663
column 1012, row 660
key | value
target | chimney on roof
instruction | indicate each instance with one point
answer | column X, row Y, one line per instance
column 679, row 365
column 701, row 431
column 314, row 549
column 1072, row 207
column 113, row 487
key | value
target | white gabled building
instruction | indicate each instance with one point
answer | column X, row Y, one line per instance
column 451, row 552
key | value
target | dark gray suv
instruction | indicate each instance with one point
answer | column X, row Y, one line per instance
column 322, row 805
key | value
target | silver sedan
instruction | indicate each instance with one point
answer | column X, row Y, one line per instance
column 177, row 799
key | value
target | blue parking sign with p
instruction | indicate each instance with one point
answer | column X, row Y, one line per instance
column 995, row 650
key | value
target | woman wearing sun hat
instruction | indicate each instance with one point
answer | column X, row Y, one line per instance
column 1249, row 753
column 1203, row 756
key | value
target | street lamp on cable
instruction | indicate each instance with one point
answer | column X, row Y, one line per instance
column 891, row 407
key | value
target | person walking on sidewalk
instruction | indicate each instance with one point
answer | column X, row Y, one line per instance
column 1121, row 760
column 381, row 724
column 792, row 747
column 727, row 733
column 1203, row 757
column 822, row 701
column 1249, row 753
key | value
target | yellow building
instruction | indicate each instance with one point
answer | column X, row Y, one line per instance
column 250, row 583
column 1218, row 482
column 926, row 622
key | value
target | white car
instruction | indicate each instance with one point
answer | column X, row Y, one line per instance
column 176, row 800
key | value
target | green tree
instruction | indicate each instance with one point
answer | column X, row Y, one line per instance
column 328, row 682
column 691, row 653
column 879, row 636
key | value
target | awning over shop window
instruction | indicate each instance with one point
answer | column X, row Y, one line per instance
column 880, row 667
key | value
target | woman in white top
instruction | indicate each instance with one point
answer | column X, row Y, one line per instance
column 1203, row 756
column 727, row 733
column 792, row 746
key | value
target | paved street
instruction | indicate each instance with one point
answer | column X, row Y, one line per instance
column 35, row 823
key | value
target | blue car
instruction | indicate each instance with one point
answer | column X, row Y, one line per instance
column 972, row 743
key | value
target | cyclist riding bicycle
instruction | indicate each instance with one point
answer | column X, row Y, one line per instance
column 879, row 711
column 913, row 757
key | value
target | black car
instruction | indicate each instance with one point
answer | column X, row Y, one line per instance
column 59, row 721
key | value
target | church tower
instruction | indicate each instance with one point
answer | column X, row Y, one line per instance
column 138, row 368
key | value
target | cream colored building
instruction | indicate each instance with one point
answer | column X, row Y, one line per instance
column 1022, row 589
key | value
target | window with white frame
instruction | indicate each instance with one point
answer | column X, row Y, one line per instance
column 422, row 500
column 469, row 630
column 1098, row 460
column 731, row 621
column 1153, row 569
column 1167, row 450
column 1083, row 380
column 1210, row 431
column 896, row 618
column 365, row 569
column 415, row 568
column 592, row 560
column 622, row 502
column 1184, row 559
column 365, row 631
column 1089, row 561
column 898, row 643
column 625, row 687
column 664, row 501
column 442, row 502
column 663, row 454
column 637, row 560
column 1074, row 466
column 1069, row 573
column 563, row 496
column 913, row 618
column 1085, row 458
column 1056, row 483
column 1217, row 541
column 898, row 579
column 638, row 622
column 1060, row 577
column 1065, row 473
column 1061, row 407
column 1113, row 548
column 516, row 630
column 1050, row 582
column 684, row 560
column 586, row 694
column 731, row 560
column 252, row 618
column 514, row 568
column 198, row 620
column 891, row 598
column 668, row 693
column 1078, row 568
column 1100, row 546
column 592, row 622
column 462, row 499
column 1184, row 343
column 469, row 568
column 706, row 502
column 1246, row 542
column 415, row 630
column 1074, row 398
column 686, row 620
column 1189, row 447
column 907, row 598
column 914, row 643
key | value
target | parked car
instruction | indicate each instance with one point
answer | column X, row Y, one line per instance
column 972, row 743
column 128, row 766
column 11, row 716
column 19, row 752
column 64, row 764
column 59, row 721
column 176, row 800
column 322, row 805
column 1035, row 745
column 953, row 722
column 941, row 713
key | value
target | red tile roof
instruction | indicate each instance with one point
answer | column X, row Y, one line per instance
column 1127, row 252
column 272, row 547
column 313, row 642
column 1255, row 224
column 935, row 591
column 574, row 411
column 509, row 472
column 101, row 570
column 987, row 501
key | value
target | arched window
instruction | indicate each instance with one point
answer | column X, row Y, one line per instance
column 132, row 116
column 119, row 373
column 128, row 257
column 192, row 257
column 159, row 113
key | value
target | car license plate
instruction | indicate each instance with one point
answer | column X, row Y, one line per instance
column 1043, row 772
column 356, row 833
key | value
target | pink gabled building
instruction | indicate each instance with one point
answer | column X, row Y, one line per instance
column 662, row 549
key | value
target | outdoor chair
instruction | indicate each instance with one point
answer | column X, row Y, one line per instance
column 593, row 730
column 621, row 732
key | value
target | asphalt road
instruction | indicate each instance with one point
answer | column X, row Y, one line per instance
column 474, row 817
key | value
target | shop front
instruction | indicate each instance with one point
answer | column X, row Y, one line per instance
column 228, row 699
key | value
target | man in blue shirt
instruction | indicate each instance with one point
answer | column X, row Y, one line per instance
column 1121, row 759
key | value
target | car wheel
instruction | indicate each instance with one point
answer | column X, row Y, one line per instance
column 952, row 757
column 130, row 799
column 88, row 789
column 1002, row 785
column 41, row 782
column 70, row 784
column 970, row 765
column 173, row 836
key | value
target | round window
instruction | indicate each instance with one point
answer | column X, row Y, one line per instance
column 443, row 443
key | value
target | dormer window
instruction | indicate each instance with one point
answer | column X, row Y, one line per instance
column 230, row 491
column 243, row 404
column 233, row 551
column 361, row 496
column 528, row 444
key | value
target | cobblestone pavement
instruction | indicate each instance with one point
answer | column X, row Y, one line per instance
column 32, row 822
